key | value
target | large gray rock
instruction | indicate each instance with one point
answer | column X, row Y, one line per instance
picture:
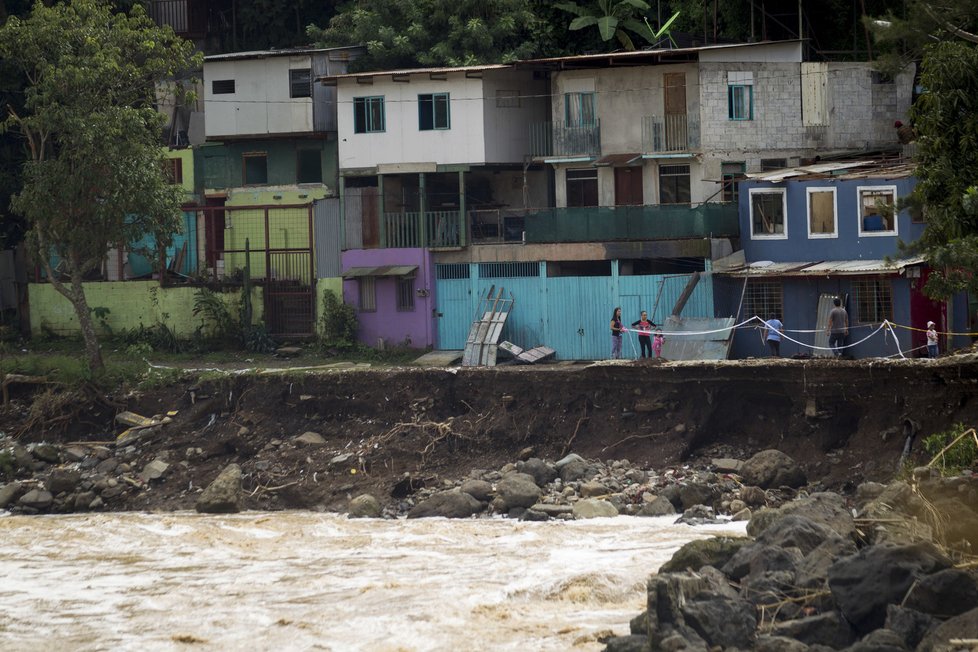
column 47, row 453
column 36, row 499
column 448, row 504
column 772, row 468
column 723, row 621
column 828, row 509
column 814, row 568
column 541, row 471
column 516, row 490
column 311, row 439
column 828, row 629
column 768, row 643
column 221, row 496
column 658, row 507
column 697, row 493
column 573, row 470
column 630, row 643
column 364, row 506
column 795, row 531
column 668, row 593
column 757, row 557
column 8, row 493
column 880, row 640
column 944, row 594
column 62, row 480
column 593, row 489
column 594, row 508
column 938, row 640
column 153, row 470
column 704, row 552
column 911, row 625
column 865, row 583
column 478, row 489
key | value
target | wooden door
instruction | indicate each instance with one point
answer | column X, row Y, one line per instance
column 674, row 101
column 628, row 186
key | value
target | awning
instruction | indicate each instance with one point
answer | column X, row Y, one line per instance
column 612, row 160
column 383, row 270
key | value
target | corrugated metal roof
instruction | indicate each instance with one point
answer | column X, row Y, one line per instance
column 383, row 270
column 285, row 52
column 823, row 268
column 819, row 168
column 837, row 170
column 638, row 54
column 416, row 71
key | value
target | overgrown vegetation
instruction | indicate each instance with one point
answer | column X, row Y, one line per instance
column 338, row 324
column 953, row 450
column 225, row 329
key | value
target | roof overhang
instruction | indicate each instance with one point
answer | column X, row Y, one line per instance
column 612, row 160
column 382, row 270
column 821, row 268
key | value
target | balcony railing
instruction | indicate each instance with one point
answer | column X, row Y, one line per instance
column 560, row 139
column 434, row 229
column 665, row 134
column 660, row 222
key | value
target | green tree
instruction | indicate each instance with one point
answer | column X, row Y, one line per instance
column 902, row 34
column 614, row 19
column 413, row 33
column 94, row 173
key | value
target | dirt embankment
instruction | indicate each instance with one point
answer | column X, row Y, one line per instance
column 390, row 431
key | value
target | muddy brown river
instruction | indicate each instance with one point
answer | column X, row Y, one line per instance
column 310, row 581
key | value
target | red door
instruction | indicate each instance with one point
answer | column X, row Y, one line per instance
column 922, row 310
column 628, row 186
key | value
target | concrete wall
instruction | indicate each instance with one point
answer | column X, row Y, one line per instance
column 260, row 104
column 847, row 245
column 507, row 128
column 130, row 304
column 219, row 166
column 415, row 327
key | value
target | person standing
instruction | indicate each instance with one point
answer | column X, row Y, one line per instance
column 616, row 331
column 932, row 350
column 838, row 327
column 772, row 334
column 644, row 333
column 657, row 342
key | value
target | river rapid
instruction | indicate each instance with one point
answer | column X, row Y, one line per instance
column 312, row 581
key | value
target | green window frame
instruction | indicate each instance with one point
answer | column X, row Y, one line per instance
column 434, row 111
column 579, row 110
column 368, row 115
column 740, row 102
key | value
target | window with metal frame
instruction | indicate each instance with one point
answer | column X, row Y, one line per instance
column 173, row 167
column 674, row 184
column 368, row 115
column 308, row 166
column 367, row 290
column 877, row 210
column 405, row 294
column 822, row 220
column 762, row 298
column 579, row 110
column 222, row 87
column 873, row 299
column 450, row 271
column 767, row 213
column 300, row 82
column 509, row 270
column 254, row 168
column 729, row 172
column 581, row 186
column 740, row 95
column 434, row 111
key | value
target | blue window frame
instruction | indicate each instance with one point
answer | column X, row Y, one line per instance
column 434, row 111
column 368, row 114
column 579, row 110
column 740, row 102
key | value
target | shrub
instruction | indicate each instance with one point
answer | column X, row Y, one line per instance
column 961, row 455
column 338, row 323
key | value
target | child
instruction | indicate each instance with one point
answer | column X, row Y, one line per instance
column 657, row 342
column 644, row 333
column 931, row 340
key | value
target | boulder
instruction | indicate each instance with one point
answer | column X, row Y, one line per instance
column 84, row 500
column 962, row 626
column 743, row 515
column 593, row 488
column 814, row 568
column 880, row 640
column 828, row 629
column 478, row 489
column 794, row 531
column 698, row 515
column 696, row 493
column 542, row 472
column 660, row 506
column 107, row 465
column 727, row 465
column 704, row 552
column 221, row 496
column 943, row 594
column 36, row 499
column 594, row 508
column 756, row 557
column 311, row 439
column 448, row 504
column 722, row 621
column 865, row 583
column 630, row 643
column 153, row 471
column 671, row 493
column 772, row 468
column 753, row 496
column 552, row 510
column 46, row 453
column 364, row 506
column 828, row 509
column 534, row 515
column 516, row 490
column 573, row 471
column 567, row 459
column 669, row 592
column 8, row 492
column 62, row 480
column 912, row 626
column 769, row 643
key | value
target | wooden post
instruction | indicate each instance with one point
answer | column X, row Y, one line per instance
column 463, row 222
column 423, row 205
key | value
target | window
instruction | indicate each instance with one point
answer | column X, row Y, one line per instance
column 729, row 173
column 767, row 214
column 433, row 111
column 405, row 294
column 674, row 184
column 773, row 164
column 173, row 168
column 877, row 210
column 222, row 87
column 762, row 299
column 368, row 293
column 873, row 299
column 308, row 166
column 300, row 82
column 507, row 99
column 368, row 115
column 255, row 168
column 740, row 95
column 579, row 110
column 822, row 218
column 582, row 187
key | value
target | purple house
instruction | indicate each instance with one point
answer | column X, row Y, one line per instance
column 392, row 291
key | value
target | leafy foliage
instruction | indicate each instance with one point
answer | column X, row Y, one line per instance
column 961, row 455
column 94, row 173
column 614, row 19
column 413, row 33
column 338, row 323
column 903, row 33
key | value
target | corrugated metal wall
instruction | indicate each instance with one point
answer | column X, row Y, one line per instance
column 328, row 230
column 569, row 314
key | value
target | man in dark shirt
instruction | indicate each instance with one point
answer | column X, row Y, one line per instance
column 838, row 327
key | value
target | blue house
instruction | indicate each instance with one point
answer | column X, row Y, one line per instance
column 814, row 233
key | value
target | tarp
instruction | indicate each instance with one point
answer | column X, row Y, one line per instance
column 383, row 270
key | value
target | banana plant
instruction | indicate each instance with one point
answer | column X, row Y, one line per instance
column 613, row 18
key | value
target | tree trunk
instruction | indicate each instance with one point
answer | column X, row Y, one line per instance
column 92, row 348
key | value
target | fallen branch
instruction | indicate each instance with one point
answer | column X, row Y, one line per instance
column 570, row 441
column 622, row 441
